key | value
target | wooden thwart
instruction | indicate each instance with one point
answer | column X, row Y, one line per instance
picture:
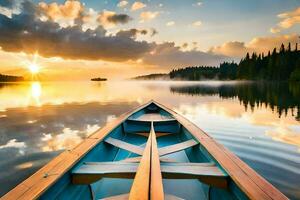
column 138, row 159
column 125, row 145
column 206, row 172
column 149, row 121
column 162, row 151
column 177, row 147
column 91, row 172
column 156, row 134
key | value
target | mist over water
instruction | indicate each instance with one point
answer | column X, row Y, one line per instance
column 259, row 122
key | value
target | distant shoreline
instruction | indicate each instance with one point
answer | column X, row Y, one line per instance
column 9, row 78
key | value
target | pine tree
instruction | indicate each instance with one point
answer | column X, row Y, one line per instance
column 282, row 48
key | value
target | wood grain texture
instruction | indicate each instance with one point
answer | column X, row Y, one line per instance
column 157, row 134
column 156, row 187
column 125, row 145
column 141, row 184
column 177, row 147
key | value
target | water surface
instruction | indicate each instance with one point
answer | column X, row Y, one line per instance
column 257, row 121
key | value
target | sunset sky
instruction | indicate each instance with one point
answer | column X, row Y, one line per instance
column 79, row 40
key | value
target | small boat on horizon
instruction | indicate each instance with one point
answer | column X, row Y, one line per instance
column 99, row 79
column 151, row 152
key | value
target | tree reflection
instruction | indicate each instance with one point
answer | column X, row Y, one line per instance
column 280, row 97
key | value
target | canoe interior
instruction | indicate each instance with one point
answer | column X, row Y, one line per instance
column 127, row 131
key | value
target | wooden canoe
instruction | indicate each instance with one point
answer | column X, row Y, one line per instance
column 149, row 153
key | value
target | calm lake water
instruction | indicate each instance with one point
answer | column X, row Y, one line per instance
column 258, row 122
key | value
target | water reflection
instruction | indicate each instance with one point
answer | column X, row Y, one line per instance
column 40, row 120
column 36, row 92
column 277, row 96
column 30, row 137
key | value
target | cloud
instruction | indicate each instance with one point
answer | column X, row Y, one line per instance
column 26, row 32
column 170, row 23
column 198, row 4
column 153, row 32
column 169, row 55
column 74, row 12
column 137, row 5
column 264, row 44
column 132, row 33
column 10, row 7
column 197, row 23
column 233, row 49
column 109, row 19
column 65, row 13
column 184, row 45
column 258, row 44
column 288, row 20
column 148, row 15
column 122, row 4
column 275, row 30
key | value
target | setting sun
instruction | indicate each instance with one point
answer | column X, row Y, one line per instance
column 34, row 68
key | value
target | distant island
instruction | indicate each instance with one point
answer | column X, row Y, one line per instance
column 152, row 77
column 99, row 79
column 8, row 78
column 282, row 65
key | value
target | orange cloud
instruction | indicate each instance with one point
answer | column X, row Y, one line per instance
column 234, row 49
column 288, row 19
column 66, row 12
column 122, row 4
column 146, row 16
column 137, row 5
column 258, row 44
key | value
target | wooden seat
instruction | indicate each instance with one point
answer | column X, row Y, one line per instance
column 177, row 147
column 206, row 172
column 157, row 134
column 125, row 145
column 138, row 159
column 149, row 121
column 94, row 171
column 162, row 151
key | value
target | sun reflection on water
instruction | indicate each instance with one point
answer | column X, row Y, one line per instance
column 36, row 91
